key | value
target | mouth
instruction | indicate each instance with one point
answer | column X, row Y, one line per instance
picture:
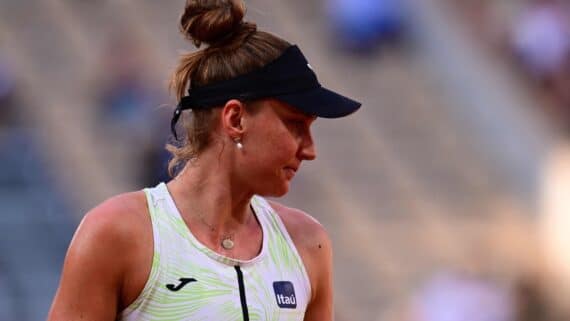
column 290, row 172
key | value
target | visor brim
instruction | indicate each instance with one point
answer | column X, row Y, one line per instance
column 321, row 102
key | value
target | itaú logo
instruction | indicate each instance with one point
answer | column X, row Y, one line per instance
column 285, row 294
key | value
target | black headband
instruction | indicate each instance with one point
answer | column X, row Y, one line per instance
column 289, row 78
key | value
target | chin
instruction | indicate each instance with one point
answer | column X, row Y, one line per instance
column 276, row 190
column 282, row 193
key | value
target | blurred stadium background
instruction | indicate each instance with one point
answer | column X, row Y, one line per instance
column 446, row 196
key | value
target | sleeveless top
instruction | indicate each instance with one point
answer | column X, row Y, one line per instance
column 188, row 281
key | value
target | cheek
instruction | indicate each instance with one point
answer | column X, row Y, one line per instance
column 269, row 155
column 272, row 152
column 280, row 146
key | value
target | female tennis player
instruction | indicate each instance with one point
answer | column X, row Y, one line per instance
column 207, row 245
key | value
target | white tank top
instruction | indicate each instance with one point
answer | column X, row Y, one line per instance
column 188, row 281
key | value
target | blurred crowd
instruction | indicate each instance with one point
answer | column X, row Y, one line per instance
column 540, row 43
column 362, row 26
column 8, row 87
column 534, row 35
column 465, row 296
column 134, row 108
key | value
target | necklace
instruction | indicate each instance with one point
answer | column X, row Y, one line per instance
column 227, row 243
column 227, row 240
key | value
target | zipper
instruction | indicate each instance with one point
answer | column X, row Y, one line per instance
column 242, row 294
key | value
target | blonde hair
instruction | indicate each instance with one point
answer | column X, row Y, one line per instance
column 234, row 47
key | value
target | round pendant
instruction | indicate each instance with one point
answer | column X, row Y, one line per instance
column 227, row 244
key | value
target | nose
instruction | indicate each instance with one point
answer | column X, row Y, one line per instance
column 307, row 149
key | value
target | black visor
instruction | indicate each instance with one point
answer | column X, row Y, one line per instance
column 288, row 78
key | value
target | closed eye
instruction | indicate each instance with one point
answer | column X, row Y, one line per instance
column 298, row 126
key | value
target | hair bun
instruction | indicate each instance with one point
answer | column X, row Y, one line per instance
column 209, row 21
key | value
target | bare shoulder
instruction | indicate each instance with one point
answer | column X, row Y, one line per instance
column 123, row 207
column 117, row 218
column 109, row 242
column 304, row 229
column 121, row 228
column 113, row 228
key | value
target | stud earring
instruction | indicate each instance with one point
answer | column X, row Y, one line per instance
column 239, row 145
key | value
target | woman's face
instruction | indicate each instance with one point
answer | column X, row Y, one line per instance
column 276, row 141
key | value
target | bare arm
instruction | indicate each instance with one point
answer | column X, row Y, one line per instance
column 321, row 306
column 94, row 267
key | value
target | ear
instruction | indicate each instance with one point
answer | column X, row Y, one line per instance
column 231, row 117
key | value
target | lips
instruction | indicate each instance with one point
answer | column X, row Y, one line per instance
column 290, row 172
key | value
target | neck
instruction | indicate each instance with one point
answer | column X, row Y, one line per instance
column 204, row 192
